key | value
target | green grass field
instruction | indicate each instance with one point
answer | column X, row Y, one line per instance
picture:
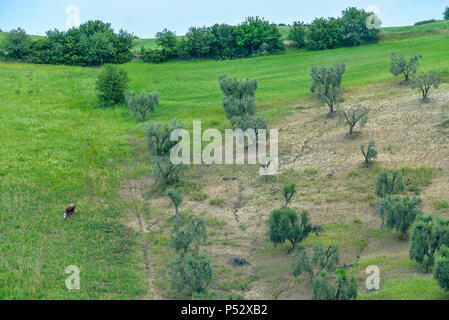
column 58, row 147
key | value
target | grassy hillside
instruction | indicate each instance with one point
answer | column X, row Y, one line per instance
column 58, row 148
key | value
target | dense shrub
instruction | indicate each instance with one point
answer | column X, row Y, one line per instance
column 143, row 103
column 326, row 84
column 399, row 212
column 168, row 41
column 387, row 186
column 152, row 55
column 284, row 224
column 354, row 29
column 427, row 236
column 297, row 34
column 425, row 81
column 441, row 268
column 16, row 44
column 111, row 85
column 324, row 34
column 93, row 43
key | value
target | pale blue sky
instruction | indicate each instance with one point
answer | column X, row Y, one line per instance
column 145, row 17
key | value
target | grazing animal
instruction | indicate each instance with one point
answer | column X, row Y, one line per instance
column 69, row 211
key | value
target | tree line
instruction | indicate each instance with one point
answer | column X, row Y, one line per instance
column 96, row 42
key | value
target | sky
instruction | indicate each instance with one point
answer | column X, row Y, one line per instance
column 146, row 17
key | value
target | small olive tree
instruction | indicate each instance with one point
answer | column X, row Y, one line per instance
column 239, row 96
column 399, row 213
column 158, row 137
column 369, row 153
column 400, row 66
column 190, row 274
column 284, row 224
column 386, row 185
column 425, row 81
column 143, row 103
column 188, row 235
column 288, row 191
column 326, row 84
column 175, row 196
column 350, row 116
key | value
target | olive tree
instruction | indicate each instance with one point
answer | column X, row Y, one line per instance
column 143, row 103
column 175, row 196
column 326, row 84
column 350, row 116
column 188, row 235
column 386, row 185
column 441, row 268
column 288, row 191
column 399, row 212
column 284, row 224
column 190, row 274
column 158, row 137
column 427, row 235
column 400, row 66
column 425, row 81
column 369, row 153
column 239, row 96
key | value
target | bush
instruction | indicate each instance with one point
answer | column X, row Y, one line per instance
column 297, row 34
column 326, row 84
column 152, row 55
column 420, row 23
column 350, row 116
column 400, row 66
column 190, row 274
column 425, row 81
column 168, row 41
column 143, row 103
column 324, row 34
column 93, row 43
column 399, row 212
column 111, row 85
column 387, row 186
column 256, row 34
column 284, row 224
column 16, row 44
column 369, row 153
column 441, row 268
column 354, row 29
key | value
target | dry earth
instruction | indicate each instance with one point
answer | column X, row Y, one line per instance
column 332, row 186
